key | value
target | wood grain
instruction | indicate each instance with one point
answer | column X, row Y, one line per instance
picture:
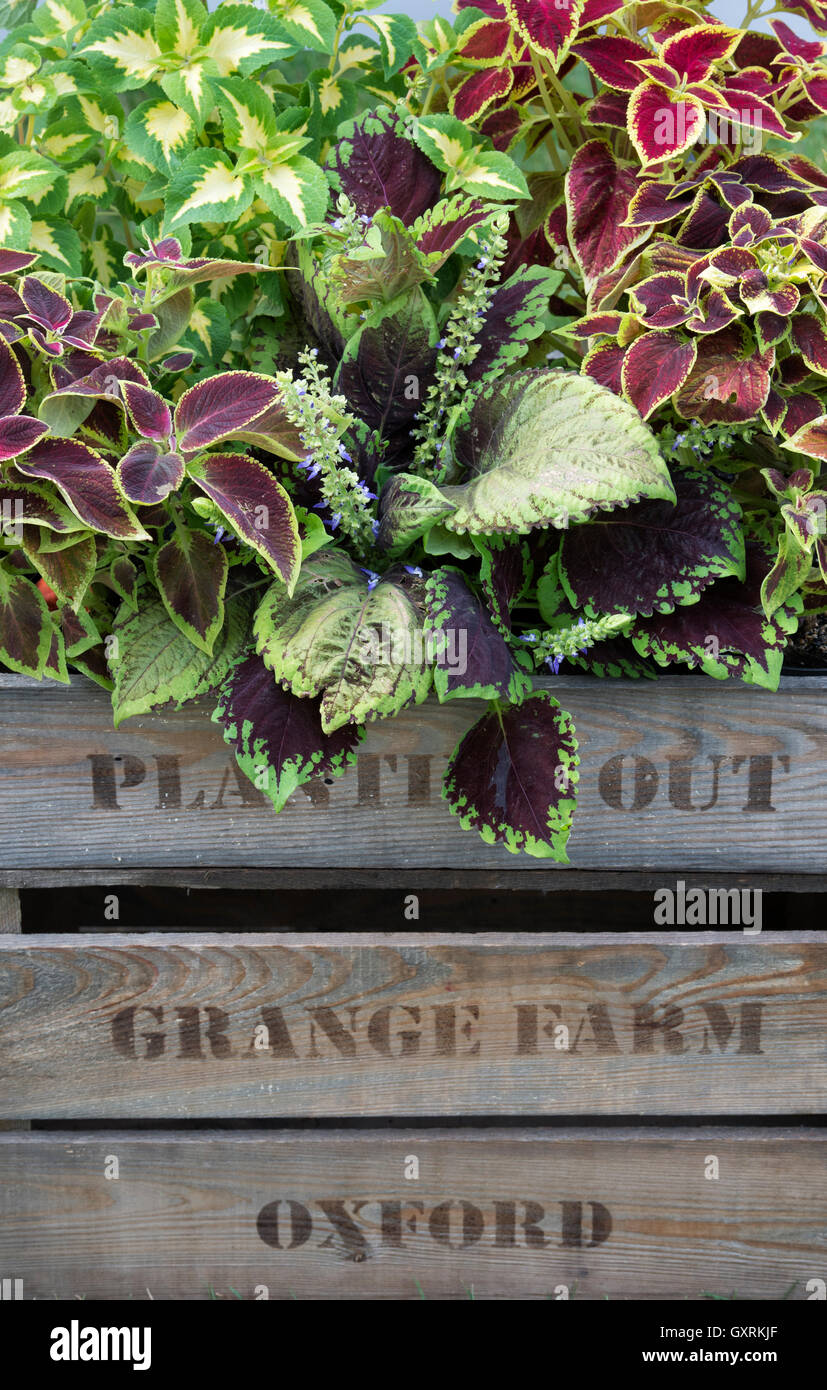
column 163, row 790
column 629, row 1214
column 269, row 1025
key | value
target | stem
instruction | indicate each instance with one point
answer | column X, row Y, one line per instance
column 334, row 57
column 547, row 103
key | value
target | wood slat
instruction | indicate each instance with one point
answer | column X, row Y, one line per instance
column 683, row 773
column 630, row 1214
column 166, row 1026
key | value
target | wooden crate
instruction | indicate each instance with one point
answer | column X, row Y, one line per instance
column 680, row 775
column 526, row 1213
column 161, row 1026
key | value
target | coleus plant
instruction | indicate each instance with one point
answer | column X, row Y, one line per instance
column 666, row 182
column 121, row 122
column 419, row 503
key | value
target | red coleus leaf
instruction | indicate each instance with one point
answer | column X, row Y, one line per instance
column 256, row 506
column 12, row 262
column 18, row 433
column 594, row 11
column 598, row 193
column 440, row 230
column 653, row 70
column 12, row 385
column 815, row 252
column 148, row 411
column 655, row 367
column 757, row 295
column 475, row 94
column 758, row 83
column 87, row 482
column 696, row 51
column 755, row 50
column 604, row 365
column 611, row 60
column 44, row 305
column 548, row 27
column 25, row 625
column 770, row 329
column 11, row 305
column 594, row 325
column 147, row 475
column 501, row 127
column 487, row 41
column 773, row 409
column 729, row 382
column 712, row 314
column 661, row 127
column 706, row 225
column 816, row 89
column 609, row 109
column 811, row 340
column 798, row 47
column 801, row 410
column 810, row 440
column 220, row 406
column 748, row 224
column 105, row 379
column 750, row 110
column 166, row 252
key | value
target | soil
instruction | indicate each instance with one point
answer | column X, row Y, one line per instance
column 809, row 646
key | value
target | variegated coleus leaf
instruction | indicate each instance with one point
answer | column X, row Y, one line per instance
column 190, row 571
column 160, row 133
column 205, row 187
column 358, row 644
column 408, row 508
column 376, row 165
column 12, row 384
column 726, row 632
column 787, row 576
column 25, row 624
column 730, row 380
column 599, row 190
column 548, row 27
column 662, row 555
column 472, row 658
column 440, row 229
column 88, row 484
column 515, row 316
column 398, row 40
column 256, row 506
column 158, row 665
column 550, row 448
column 811, row 439
column 278, row 738
column 655, row 366
column 18, row 433
column 513, row 777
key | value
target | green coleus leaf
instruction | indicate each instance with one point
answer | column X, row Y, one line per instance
column 191, row 571
column 121, row 45
column 25, row 624
column 206, row 188
column 278, row 738
column 484, row 173
column 178, row 25
column 86, row 182
column 58, row 245
column 241, row 38
column 160, row 132
column 513, row 777
column 398, row 40
column 296, row 190
column 24, row 174
column 55, row 668
column 357, row 644
column 57, row 18
column 208, row 332
column 155, row 663
column 408, row 508
column 310, row 23
column 548, row 448
column 248, row 115
column 15, row 225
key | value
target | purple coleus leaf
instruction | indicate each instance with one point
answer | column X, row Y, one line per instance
column 388, row 367
column 45, row 306
column 513, row 777
column 220, row 407
column 598, row 192
column 472, row 657
column 166, row 252
column 12, row 262
column 506, row 566
column 88, row 484
column 614, row 658
column 277, row 737
column 12, row 384
column 655, row 556
column 18, row 433
column 147, row 474
column 148, row 411
column 810, row 339
column 256, row 506
column 377, row 166
column 36, row 505
column 725, row 633
column 439, row 231
column 191, row 575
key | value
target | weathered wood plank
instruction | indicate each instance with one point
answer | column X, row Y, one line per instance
column 338, row 1025
column 505, row 1214
column 682, row 774
column 9, row 910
